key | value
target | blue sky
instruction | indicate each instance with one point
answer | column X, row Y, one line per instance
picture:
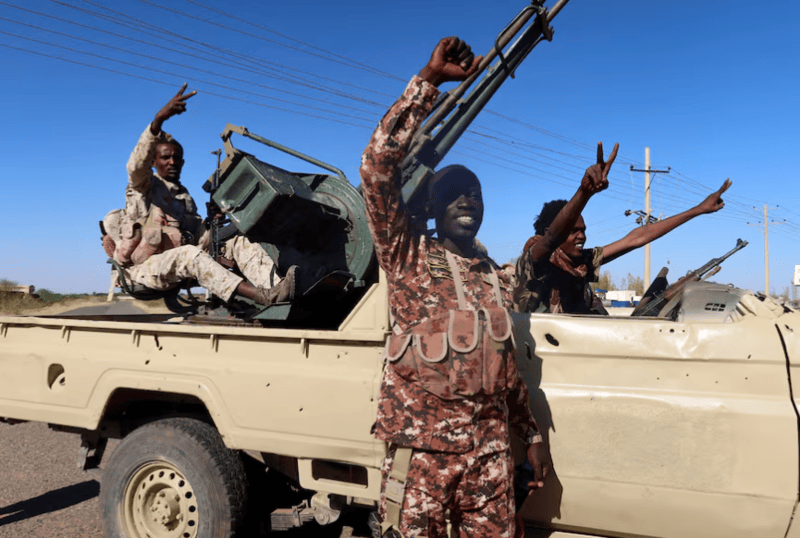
column 710, row 87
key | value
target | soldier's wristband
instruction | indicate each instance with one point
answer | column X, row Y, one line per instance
column 535, row 438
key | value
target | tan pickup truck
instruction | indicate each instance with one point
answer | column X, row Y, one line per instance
column 680, row 425
column 683, row 425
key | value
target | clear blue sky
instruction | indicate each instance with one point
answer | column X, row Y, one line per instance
column 711, row 87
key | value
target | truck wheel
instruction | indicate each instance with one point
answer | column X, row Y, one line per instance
column 173, row 478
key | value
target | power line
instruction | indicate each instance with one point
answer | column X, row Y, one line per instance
column 262, row 38
column 525, row 148
column 180, row 65
column 158, row 81
column 183, row 77
column 226, row 57
column 260, row 27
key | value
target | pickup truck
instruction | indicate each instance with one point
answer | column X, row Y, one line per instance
column 684, row 425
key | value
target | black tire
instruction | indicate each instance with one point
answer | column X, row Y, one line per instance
column 173, row 478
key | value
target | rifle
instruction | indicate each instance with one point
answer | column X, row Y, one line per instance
column 214, row 221
column 428, row 148
column 654, row 306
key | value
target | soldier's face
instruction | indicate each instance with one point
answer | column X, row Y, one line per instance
column 169, row 161
column 459, row 209
column 576, row 241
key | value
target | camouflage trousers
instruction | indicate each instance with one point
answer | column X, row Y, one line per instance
column 168, row 269
column 254, row 263
column 476, row 489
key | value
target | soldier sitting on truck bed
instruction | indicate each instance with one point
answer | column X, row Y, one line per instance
column 159, row 238
column 450, row 389
column 554, row 270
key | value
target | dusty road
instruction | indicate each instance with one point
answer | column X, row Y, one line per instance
column 44, row 495
column 42, row 492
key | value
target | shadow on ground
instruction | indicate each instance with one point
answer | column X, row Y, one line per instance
column 51, row 501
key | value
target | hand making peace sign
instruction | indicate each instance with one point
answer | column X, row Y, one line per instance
column 596, row 177
column 175, row 106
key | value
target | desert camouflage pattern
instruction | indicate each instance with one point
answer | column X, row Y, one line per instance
column 168, row 269
column 477, row 485
column 408, row 415
column 252, row 260
column 146, row 189
column 157, row 232
column 140, row 240
column 558, row 284
column 422, row 288
column 461, row 355
column 420, row 279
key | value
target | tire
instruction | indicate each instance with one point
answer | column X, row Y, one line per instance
column 173, row 478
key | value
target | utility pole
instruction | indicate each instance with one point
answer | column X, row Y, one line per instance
column 766, row 244
column 647, row 171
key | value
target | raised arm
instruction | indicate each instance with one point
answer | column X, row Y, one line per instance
column 175, row 106
column 650, row 232
column 141, row 159
column 387, row 214
column 595, row 179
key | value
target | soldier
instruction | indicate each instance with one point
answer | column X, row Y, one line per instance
column 554, row 270
column 450, row 389
column 159, row 238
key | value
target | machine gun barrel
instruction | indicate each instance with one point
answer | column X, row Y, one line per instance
column 428, row 150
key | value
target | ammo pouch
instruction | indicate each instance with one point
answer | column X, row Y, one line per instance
column 458, row 355
column 142, row 240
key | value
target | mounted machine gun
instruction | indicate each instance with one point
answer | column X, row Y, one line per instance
column 318, row 222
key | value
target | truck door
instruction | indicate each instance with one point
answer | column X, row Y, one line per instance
column 661, row 428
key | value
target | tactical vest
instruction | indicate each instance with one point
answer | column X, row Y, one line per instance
column 460, row 354
column 140, row 240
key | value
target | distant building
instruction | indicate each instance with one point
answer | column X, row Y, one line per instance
column 622, row 298
column 15, row 290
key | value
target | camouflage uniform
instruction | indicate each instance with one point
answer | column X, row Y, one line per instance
column 558, row 284
column 461, row 460
column 167, row 269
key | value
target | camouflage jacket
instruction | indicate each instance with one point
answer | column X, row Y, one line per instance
column 557, row 284
column 421, row 287
column 146, row 189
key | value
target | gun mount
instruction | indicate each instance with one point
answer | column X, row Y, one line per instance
column 315, row 221
column 318, row 221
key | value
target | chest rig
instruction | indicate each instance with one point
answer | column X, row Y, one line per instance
column 459, row 354
column 140, row 240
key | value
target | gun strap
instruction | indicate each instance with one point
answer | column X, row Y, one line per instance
column 395, row 491
column 459, row 283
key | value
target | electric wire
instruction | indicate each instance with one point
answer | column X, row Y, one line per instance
column 260, row 27
column 159, row 33
column 735, row 209
column 158, row 81
column 184, row 77
column 205, row 71
column 262, row 38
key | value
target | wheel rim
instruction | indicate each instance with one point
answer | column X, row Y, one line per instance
column 160, row 503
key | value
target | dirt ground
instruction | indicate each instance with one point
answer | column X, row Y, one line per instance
column 65, row 305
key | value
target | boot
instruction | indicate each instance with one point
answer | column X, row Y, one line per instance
column 282, row 293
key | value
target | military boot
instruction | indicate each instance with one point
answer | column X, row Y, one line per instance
column 282, row 293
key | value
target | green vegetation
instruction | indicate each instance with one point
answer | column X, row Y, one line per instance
column 14, row 303
column 630, row 282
